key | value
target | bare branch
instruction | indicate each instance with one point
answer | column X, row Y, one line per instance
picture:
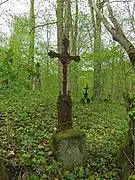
column 113, row 19
column 92, row 13
column 117, row 33
column 42, row 25
column 128, row 159
column 131, row 15
column 3, row 2
column 108, row 26
column 102, row 3
column 133, row 8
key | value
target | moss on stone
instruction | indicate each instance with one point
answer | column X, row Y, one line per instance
column 68, row 134
column 68, row 147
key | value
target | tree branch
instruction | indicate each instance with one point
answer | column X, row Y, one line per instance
column 113, row 19
column 3, row 2
column 128, row 159
column 108, row 26
column 42, row 25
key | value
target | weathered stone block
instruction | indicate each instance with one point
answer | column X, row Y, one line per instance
column 69, row 147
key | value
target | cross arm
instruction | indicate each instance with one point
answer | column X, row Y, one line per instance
column 53, row 54
column 86, row 88
column 75, row 58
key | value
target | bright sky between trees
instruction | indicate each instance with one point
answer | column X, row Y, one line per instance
column 45, row 11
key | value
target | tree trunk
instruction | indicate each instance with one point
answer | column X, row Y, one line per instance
column 112, row 80
column 31, row 42
column 37, row 81
column 67, row 18
column 96, row 21
column 67, row 28
column 117, row 33
column 74, row 33
column 128, row 153
column 59, row 13
column 103, row 82
column 47, row 58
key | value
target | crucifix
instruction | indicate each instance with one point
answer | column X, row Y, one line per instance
column 85, row 99
column 64, row 103
column 86, row 91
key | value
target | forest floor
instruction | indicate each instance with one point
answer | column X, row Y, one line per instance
column 28, row 124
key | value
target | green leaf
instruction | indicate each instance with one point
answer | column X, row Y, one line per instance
column 91, row 178
column 27, row 155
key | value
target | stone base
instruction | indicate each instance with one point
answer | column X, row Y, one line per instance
column 69, row 147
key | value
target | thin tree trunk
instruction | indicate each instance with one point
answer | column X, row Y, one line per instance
column 59, row 13
column 31, row 41
column 67, row 18
column 67, row 28
column 103, row 82
column 112, row 80
column 96, row 21
column 117, row 33
column 119, row 36
column 47, row 59
column 74, row 34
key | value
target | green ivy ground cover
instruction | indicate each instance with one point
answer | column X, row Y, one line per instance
column 30, row 120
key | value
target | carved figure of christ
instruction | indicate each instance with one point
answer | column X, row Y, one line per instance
column 65, row 59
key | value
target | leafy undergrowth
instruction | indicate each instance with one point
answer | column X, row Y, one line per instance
column 29, row 120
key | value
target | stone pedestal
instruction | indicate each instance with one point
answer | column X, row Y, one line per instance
column 69, row 147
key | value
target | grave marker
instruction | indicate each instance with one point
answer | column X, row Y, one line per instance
column 64, row 103
column 68, row 145
column 85, row 95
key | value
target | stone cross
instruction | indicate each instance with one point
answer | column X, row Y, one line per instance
column 64, row 103
column 86, row 91
column 85, row 99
